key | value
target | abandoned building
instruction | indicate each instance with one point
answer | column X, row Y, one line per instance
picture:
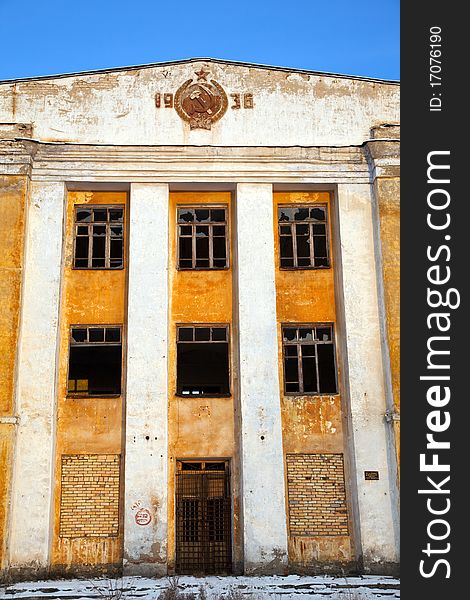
column 199, row 321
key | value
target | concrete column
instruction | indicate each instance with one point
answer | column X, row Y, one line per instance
column 146, row 459
column 376, row 500
column 264, row 501
column 32, row 489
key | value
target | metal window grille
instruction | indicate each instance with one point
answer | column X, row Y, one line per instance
column 203, row 518
column 303, row 236
column 99, row 237
column 202, row 237
column 309, row 359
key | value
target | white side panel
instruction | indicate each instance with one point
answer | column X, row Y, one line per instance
column 264, row 512
column 32, row 479
column 378, row 520
column 146, row 479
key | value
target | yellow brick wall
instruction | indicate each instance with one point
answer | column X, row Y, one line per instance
column 317, row 497
column 89, row 503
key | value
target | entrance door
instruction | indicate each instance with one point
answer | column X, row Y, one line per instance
column 203, row 518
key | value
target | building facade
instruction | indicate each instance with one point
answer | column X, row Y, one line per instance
column 199, row 327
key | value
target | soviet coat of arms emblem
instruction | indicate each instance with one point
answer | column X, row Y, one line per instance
column 201, row 103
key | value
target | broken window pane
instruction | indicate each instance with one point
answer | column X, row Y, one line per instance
column 95, row 357
column 305, row 335
column 79, row 335
column 185, row 334
column 99, row 215
column 309, row 374
column 289, row 334
column 218, row 215
column 100, row 245
column 203, row 240
column 202, row 334
column 96, row 334
column 303, row 241
column 83, row 215
column 202, row 364
column 219, row 334
column 112, row 334
column 326, row 368
column 81, row 248
column 309, row 362
column 291, row 369
column 202, row 215
column 185, row 216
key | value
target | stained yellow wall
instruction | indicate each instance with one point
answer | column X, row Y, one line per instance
column 198, row 427
column 88, row 425
column 13, row 194
column 310, row 423
column 387, row 192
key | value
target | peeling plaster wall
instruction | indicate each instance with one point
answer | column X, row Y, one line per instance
column 199, row 427
column 86, row 425
column 118, row 107
column 359, row 293
column 311, row 424
column 13, row 194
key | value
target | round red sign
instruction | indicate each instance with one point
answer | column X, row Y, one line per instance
column 143, row 516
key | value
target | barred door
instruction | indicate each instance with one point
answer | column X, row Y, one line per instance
column 203, row 518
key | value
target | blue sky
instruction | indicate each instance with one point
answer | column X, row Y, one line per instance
column 43, row 37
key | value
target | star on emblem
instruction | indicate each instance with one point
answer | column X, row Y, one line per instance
column 202, row 74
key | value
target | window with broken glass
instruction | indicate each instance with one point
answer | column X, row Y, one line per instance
column 303, row 236
column 309, row 359
column 203, row 360
column 99, row 237
column 95, row 361
column 202, row 238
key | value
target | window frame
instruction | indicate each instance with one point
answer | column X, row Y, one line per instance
column 120, row 326
column 299, row 355
column 226, row 223
column 107, row 256
column 229, row 361
column 291, row 224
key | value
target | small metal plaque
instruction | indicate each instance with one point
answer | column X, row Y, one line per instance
column 371, row 475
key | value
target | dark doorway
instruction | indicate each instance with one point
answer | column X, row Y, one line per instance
column 203, row 518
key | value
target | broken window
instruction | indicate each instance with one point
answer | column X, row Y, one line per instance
column 95, row 360
column 202, row 360
column 309, row 359
column 99, row 237
column 303, row 236
column 202, row 238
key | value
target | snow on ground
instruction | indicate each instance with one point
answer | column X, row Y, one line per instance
column 254, row 588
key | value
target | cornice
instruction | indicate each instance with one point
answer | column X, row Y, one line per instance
column 83, row 162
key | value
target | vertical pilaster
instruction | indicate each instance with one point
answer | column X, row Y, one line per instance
column 146, row 458
column 262, row 464
column 366, row 381
column 36, row 379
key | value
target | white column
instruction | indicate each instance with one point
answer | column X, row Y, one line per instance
column 376, row 499
column 36, row 379
column 146, row 460
column 264, row 503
